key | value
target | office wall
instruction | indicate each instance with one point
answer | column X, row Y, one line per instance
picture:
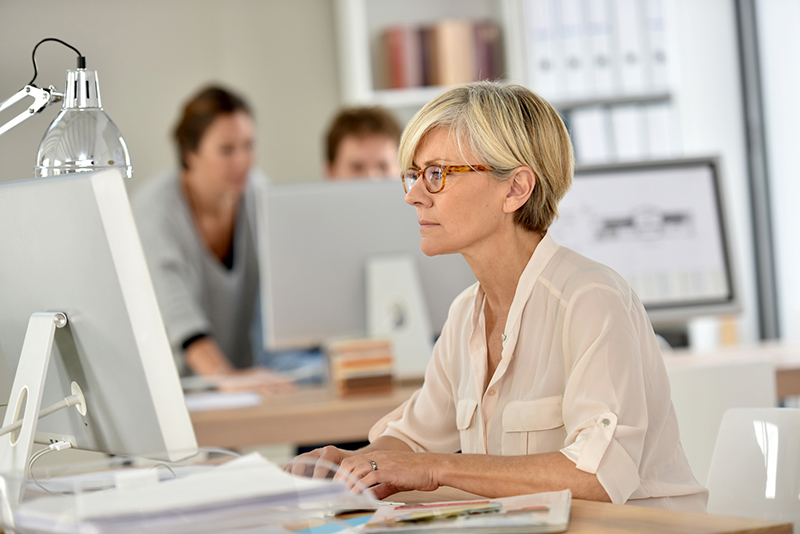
column 150, row 55
column 708, row 96
column 779, row 48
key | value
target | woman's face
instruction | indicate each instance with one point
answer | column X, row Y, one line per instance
column 463, row 216
column 224, row 156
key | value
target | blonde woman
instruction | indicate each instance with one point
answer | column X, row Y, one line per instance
column 547, row 374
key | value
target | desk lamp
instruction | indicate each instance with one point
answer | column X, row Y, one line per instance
column 82, row 137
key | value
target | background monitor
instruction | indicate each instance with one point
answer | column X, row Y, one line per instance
column 663, row 226
column 317, row 241
column 70, row 244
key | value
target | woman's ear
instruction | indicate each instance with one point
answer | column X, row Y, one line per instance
column 521, row 185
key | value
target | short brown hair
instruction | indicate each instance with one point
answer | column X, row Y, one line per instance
column 360, row 122
column 505, row 127
column 198, row 114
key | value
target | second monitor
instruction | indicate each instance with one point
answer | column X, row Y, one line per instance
column 318, row 240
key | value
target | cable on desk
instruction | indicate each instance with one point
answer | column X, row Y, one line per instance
column 57, row 446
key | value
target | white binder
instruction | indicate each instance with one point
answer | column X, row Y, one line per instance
column 603, row 61
column 630, row 50
column 591, row 134
column 628, row 124
column 577, row 56
column 656, row 57
column 663, row 140
column 545, row 49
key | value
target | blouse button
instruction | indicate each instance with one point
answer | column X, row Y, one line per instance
column 491, row 392
column 605, row 422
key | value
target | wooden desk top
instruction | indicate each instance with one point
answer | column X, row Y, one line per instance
column 603, row 518
column 305, row 417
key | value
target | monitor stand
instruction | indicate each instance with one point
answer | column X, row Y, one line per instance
column 24, row 403
column 396, row 310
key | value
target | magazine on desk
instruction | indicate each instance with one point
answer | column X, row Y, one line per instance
column 538, row 512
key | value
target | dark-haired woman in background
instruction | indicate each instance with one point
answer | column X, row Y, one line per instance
column 197, row 226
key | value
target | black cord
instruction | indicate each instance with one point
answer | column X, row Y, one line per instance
column 81, row 59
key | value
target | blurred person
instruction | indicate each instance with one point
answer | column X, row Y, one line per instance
column 197, row 226
column 362, row 143
column 547, row 375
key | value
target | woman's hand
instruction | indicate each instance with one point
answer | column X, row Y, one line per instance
column 319, row 463
column 388, row 472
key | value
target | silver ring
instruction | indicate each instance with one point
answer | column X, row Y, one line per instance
column 374, row 465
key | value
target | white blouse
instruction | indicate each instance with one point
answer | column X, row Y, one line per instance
column 581, row 372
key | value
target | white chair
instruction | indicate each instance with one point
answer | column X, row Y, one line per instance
column 755, row 469
column 702, row 394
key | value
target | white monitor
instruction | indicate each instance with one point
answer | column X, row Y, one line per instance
column 663, row 226
column 317, row 241
column 69, row 244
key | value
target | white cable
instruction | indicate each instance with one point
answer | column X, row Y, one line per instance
column 57, row 446
column 72, row 400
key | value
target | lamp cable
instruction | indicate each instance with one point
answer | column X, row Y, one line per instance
column 81, row 58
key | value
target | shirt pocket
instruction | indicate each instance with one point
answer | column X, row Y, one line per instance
column 533, row 426
column 467, row 427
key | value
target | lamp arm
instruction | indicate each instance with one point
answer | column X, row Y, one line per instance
column 41, row 99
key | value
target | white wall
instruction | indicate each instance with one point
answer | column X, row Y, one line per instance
column 709, row 101
column 151, row 55
column 779, row 44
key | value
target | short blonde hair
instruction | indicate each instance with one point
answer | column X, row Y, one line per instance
column 505, row 127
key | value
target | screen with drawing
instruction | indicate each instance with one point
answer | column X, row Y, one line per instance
column 70, row 245
column 661, row 225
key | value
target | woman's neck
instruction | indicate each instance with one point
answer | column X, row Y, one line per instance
column 498, row 266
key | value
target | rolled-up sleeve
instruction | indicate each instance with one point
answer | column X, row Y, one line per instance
column 604, row 405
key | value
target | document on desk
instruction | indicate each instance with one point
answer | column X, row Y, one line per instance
column 538, row 512
column 242, row 493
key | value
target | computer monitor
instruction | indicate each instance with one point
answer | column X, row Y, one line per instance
column 317, row 240
column 663, row 226
column 70, row 245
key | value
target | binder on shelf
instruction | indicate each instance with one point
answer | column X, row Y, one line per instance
column 602, row 65
column 454, row 52
column 577, row 58
column 657, row 59
column 545, row 50
column 662, row 130
column 403, row 53
column 628, row 126
column 591, row 135
column 488, row 51
column 630, row 50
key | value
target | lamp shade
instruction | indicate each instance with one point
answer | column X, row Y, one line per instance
column 82, row 137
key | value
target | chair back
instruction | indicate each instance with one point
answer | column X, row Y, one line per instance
column 702, row 394
column 755, row 469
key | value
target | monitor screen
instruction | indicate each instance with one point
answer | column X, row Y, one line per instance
column 316, row 240
column 70, row 245
column 662, row 226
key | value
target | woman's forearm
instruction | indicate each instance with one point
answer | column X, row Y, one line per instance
column 501, row 476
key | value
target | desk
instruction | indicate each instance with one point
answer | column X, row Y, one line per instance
column 305, row 417
column 603, row 518
column 785, row 357
column 316, row 416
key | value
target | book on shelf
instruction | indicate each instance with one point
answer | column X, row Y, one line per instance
column 452, row 51
column 538, row 512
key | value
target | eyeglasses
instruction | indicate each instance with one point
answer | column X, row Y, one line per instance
column 433, row 176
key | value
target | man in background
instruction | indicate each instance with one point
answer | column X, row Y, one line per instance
column 362, row 143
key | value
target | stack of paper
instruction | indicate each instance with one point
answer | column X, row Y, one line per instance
column 246, row 492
